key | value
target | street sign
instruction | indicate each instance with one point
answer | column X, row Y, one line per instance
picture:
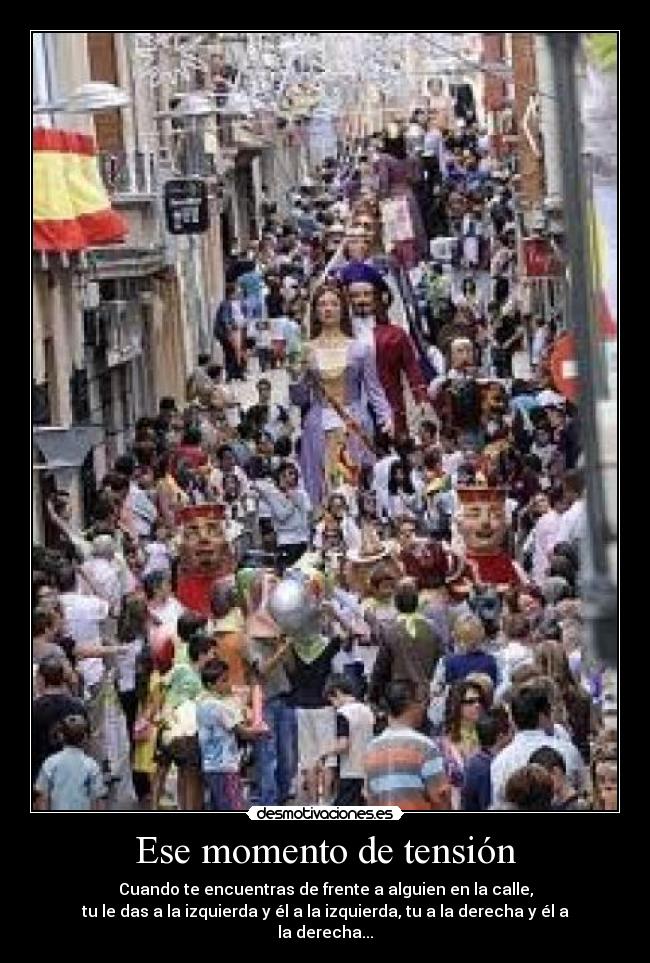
column 540, row 260
column 186, row 206
column 564, row 369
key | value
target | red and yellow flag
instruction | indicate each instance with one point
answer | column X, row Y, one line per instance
column 71, row 209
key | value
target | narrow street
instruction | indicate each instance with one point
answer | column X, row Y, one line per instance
column 391, row 580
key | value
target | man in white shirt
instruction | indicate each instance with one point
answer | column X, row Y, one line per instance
column 338, row 508
column 101, row 574
column 544, row 535
column 380, row 477
column 137, row 502
column 227, row 465
column 267, row 415
column 531, row 712
column 84, row 618
column 573, row 521
column 142, row 508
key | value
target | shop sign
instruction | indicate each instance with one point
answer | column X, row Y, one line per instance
column 186, row 206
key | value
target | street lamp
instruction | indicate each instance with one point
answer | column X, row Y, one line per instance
column 89, row 98
column 96, row 96
column 192, row 108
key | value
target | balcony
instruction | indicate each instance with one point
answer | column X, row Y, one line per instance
column 130, row 176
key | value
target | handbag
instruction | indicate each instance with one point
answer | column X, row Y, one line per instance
column 142, row 729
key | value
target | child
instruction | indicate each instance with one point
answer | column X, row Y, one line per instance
column 71, row 779
column 219, row 719
column 157, row 553
column 354, row 730
column 183, row 686
column 278, row 341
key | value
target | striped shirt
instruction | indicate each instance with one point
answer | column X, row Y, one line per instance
column 402, row 765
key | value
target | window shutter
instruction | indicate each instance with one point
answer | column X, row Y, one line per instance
column 103, row 66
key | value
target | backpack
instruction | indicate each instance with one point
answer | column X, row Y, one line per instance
column 466, row 402
column 180, row 735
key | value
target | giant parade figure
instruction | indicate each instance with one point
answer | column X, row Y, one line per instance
column 395, row 355
column 483, row 526
column 204, row 554
column 338, row 376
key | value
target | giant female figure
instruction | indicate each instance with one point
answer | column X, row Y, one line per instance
column 337, row 372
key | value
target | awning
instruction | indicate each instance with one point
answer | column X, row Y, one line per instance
column 64, row 448
column 71, row 209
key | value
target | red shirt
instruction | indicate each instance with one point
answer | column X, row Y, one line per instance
column 192, row 454
column 494, row 569
column 395, row 353
column 194, row 590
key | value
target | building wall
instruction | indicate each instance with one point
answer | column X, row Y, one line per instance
column 494, row 88
column 549, row 121
column 167, row 337
column 525, row 82
column 72, row 69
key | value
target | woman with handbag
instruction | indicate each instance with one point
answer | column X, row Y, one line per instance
column 152, row 665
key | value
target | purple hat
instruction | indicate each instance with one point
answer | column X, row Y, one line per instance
column 358, row 272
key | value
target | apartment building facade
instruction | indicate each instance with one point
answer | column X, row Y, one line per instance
column 117, row 327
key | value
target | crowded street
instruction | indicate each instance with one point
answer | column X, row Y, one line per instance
column 319, row 498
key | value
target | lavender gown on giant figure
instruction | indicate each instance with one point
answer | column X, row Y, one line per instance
column 359, row 380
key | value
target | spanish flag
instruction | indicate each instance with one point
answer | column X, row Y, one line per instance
column 71, row 209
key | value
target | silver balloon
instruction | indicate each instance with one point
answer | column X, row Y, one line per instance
column 291, row 607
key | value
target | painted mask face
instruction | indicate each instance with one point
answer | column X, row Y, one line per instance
column 204, row 547
column 483, row 526
column 362, row 299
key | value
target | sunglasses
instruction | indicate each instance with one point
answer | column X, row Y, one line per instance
column 473, row 701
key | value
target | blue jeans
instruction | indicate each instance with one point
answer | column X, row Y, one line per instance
column 275, row 754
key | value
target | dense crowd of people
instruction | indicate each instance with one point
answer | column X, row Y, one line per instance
column 365, row 588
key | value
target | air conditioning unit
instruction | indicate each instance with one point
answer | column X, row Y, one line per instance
column 90, row 295
column 553, row 205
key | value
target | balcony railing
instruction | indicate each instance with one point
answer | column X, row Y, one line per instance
column 129, row 173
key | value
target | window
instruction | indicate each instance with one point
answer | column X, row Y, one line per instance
column 44, row 86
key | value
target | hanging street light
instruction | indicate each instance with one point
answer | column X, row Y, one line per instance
column 90, row 98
